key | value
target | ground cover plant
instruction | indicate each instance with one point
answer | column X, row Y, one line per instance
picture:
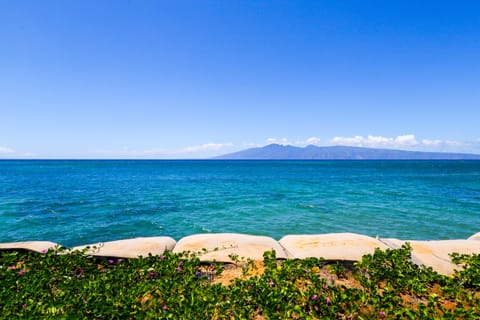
column 384, row 285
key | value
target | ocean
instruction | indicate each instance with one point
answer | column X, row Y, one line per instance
column 75, row 202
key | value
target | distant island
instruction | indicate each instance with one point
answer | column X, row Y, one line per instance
column 311, row 152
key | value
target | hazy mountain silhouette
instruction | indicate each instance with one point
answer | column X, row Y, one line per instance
column 311, row 152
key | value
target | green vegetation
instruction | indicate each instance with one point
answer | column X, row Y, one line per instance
column 385, row 285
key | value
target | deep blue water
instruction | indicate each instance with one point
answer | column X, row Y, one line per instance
column 81, row 202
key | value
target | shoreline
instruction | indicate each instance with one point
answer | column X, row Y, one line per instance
column 229, row 247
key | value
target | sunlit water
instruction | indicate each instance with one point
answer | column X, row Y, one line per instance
column 80, row 202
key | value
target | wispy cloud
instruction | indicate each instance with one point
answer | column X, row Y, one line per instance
column 196, row 151
column 407, row 141
column 313, row 140
column 6, row 150
column 402, row 141
column 207, row 147
column 433, row 143
column 443, row 143
column 285, row 141
column 282, row 141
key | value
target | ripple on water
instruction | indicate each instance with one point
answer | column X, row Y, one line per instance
column 74, row 202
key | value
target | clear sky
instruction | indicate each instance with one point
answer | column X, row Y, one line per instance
column 190, row 79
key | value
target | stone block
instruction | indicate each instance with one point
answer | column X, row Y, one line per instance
column 37, row 246
column 221, row 246
column 130, row 248
column 331, row 246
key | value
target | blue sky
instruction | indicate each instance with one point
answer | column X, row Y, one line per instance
column 193, row 79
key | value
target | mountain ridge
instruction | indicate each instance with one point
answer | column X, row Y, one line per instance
column 312, row 152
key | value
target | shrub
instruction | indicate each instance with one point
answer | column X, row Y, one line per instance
column 71, row 285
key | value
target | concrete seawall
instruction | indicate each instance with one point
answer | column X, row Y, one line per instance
column 224, row 247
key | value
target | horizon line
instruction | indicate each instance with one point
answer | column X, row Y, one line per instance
column 216, row 157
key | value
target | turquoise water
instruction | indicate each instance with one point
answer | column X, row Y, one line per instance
column 81, row 202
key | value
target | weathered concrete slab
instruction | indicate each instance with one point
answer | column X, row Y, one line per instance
column 220, row 245
column 130, row 248
column 435, row 253
column 331, row 246
column 476, row 236
column 393, row 243
column 37, row 246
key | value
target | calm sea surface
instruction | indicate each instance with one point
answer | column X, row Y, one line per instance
column 81, row 202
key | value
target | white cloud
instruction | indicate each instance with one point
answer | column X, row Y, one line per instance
column 285, row 141
column 402, row 142
column 433, row 143
column 407, row 141
column 282, row 141
column 455, row 143
column 443, row 143
column 351, row 141
column 6, row 150
column 370, row 141
column 313, row 140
